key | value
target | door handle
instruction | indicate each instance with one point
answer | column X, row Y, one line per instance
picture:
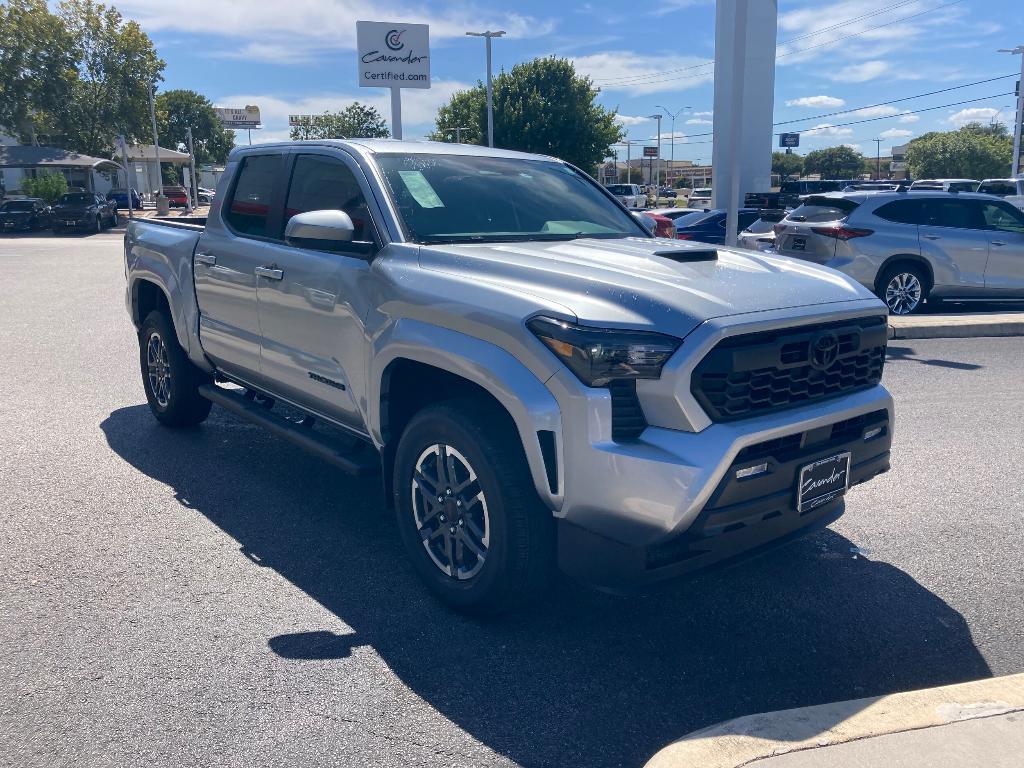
column 996, row 242
column 271, row 272
column 931, row 237
column 206, row 258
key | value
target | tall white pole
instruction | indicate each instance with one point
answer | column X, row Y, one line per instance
column 1018, row 126
column 192, row 159
column 396, row 112
column 156, row 152
column 657, row 178
column 490, row 96
column 629, row 161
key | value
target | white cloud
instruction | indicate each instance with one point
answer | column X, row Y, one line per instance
column 909, row 118
column 708, row 113
column 972, row 115
column 631, row 120
column 884, row 111
column 827, row 129
column 618, row 70
column 895, row 133
column 860, row 73
column 851, row 145
column 699, row 121
column 816, row 102
column 419, row 107
column 303, row 28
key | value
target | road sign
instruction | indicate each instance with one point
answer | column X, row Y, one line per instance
column 650, row 151
column 248, row 117
column 393, row 55
column 294, row 120
column 610, row 173
column 789, row 139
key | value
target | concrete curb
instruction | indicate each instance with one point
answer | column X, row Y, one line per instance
column 956, row 326
column 737, row 742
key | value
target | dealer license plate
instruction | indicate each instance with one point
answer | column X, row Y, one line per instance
column 823, row 481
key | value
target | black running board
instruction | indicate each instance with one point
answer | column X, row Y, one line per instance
column 304, row 437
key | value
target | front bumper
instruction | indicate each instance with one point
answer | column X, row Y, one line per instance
column 742, row 516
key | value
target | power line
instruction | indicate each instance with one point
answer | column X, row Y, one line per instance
column 642, row 79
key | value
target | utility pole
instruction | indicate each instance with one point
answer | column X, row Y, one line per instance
column 162, row 208
column 878, row 158
column 192, row 159
column 490, row 89
column 1018, row 126
column 657, row 181
column 672, row 140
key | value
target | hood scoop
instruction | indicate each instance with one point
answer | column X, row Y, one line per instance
column 686, row 255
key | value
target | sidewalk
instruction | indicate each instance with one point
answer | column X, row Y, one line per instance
column 955, row 326
column 969, row 725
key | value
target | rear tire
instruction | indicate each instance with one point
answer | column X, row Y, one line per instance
column 489, row 544
column 903, row 288
column 170, row 379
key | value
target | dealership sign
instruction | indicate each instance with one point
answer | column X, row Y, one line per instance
column 393, row 55
column 248, row 117
column 650, row 151
column 789, row 139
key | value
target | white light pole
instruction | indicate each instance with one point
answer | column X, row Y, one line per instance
column 672, row 150
column 490, row 90
column 1018, row 126
column 657, row 178
column 162, row 208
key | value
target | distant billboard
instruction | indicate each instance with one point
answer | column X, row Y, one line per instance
column 294, row 120
column 246, row 117
column 789, row 139
column 650, row 151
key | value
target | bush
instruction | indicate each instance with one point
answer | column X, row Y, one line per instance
column 48, row 186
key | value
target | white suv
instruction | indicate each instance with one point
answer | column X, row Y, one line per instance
column 630, row 195
column 1011, row 190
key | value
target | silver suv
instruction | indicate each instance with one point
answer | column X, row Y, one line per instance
column 911, row 246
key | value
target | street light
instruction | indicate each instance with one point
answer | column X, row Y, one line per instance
column 490, row 91
column 1019, row 124
column 458, row 132
column 657, row 179
column 672, row 160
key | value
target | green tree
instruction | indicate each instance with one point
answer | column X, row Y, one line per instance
column 973, row 152
column 787, row 165
column 178, row 110
column 48, row 186
column 109, row 95
column 539, row 106
column 834, row 162
column 354, row 121
column 36, row 65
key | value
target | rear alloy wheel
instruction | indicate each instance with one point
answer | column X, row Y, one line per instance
column 169, row 378
column 903, row 290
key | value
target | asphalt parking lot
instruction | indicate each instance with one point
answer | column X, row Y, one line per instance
column 217, row 597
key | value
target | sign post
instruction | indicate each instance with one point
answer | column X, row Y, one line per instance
column 395, row 56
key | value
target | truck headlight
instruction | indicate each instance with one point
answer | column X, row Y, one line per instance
column 600, row 355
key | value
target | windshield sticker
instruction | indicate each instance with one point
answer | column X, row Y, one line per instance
column 420, row 189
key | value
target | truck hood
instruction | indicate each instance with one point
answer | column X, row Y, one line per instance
column 625, row 283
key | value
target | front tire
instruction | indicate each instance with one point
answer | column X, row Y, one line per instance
column 903, row 288
column 170, row 379
column 468, row 514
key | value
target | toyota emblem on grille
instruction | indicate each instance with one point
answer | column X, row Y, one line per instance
column 824, row 350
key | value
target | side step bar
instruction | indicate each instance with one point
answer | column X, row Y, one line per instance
column 357, row 464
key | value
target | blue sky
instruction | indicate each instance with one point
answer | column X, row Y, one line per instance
column 834, row 55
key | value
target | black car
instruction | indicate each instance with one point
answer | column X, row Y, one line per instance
column 24, row 215
column 709, row 226
column 83, row 211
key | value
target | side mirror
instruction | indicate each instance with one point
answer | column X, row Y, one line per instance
column 328, row 230
column 645, row 221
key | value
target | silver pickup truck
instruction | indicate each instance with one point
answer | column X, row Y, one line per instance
column 538, row 380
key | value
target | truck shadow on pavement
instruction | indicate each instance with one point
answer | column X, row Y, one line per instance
column 586, row 678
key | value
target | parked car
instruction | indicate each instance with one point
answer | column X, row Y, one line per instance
column 1011, row 190
column 764, row 200
column 205, row 196
column 504, row 344
column 630, row 195
column 760, row 236
column 871, row 186
column 700, row 198
column 709, row 226
column 910, row 248
column 24, row 215
column 83, row 211
column 674, row 213
column 176, row 196
column 946, row 185
column 662, row 224
column 666, row 192
column 122, row 196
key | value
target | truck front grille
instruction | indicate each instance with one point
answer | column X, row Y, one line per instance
column 758, row 373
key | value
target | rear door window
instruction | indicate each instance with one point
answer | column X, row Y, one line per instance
column 1002, row 217
column 249, row 208
column 956, row 214
column 325, row 183
column 902, row 211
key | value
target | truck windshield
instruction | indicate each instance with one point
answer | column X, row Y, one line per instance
column 466, row 198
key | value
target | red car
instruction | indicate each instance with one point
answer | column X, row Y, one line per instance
column 663, row 226
column 176, row 195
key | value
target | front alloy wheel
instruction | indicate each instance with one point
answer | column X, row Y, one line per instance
column 450, row 512
column 903, row 293
column 159, row 370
